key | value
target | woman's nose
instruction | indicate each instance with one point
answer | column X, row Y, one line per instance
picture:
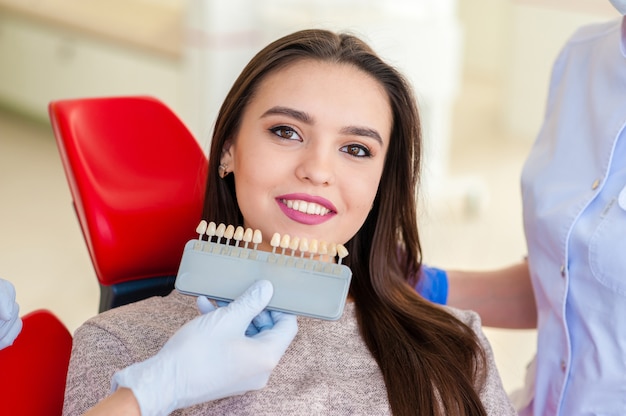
column 317, row 167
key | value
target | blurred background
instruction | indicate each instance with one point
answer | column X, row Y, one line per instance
column 480, row 69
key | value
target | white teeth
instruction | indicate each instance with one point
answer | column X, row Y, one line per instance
column 306, row 207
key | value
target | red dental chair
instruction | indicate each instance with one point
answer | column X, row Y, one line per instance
column 137, row 177
column 34, row 368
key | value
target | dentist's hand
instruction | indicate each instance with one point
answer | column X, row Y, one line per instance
column 10, row 322
column 210, row 357
column 264, row 320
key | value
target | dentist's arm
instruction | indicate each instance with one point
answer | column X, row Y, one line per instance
column 503, row 298
column 209, row 358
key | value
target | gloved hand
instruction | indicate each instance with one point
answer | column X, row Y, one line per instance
column 210, row 357
column 264, row 320
column 10, row 322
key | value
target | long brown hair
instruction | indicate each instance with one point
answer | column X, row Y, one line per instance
column 431, row 362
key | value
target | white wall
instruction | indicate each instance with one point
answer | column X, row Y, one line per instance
column 514, row 43
column 539, row 30
column 486, row 31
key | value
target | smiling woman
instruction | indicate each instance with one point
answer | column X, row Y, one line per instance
column 329, row 160
column 311, row 134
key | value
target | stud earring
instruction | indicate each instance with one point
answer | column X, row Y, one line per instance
column 221, row 169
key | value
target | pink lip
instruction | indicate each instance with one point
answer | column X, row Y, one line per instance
column 302, row 217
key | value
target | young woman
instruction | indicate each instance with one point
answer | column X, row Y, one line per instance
column 320, row 139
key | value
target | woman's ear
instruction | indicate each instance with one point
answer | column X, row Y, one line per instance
column 226, row 158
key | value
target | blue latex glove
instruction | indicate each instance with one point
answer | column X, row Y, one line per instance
column 433, row 284
column 10, row 322
column 210, row 357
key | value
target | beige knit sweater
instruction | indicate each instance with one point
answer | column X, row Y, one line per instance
column 327, row 370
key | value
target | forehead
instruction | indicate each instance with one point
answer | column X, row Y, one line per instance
column 319, row 73
column 328, row 88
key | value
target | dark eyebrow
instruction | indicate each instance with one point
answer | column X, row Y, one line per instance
column 306, row 118
column 298, row 115
column 362, row 131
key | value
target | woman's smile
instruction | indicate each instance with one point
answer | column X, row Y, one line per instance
column 306, row 209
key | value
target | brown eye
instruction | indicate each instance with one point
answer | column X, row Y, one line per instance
column 356, row 150
column 285, row 132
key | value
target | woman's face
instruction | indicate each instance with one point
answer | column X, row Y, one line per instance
column 309, row 154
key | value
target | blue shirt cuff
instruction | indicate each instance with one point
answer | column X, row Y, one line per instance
column 433, row 284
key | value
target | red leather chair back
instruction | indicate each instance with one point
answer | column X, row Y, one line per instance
column 137, row 178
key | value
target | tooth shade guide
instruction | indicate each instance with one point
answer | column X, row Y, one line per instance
column 302, row 285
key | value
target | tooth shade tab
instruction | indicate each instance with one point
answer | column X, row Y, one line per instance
column 275, row 242
column 238, row 236
column 211, row 229
column 323, row 248
column 293, row 244
column 313, row 247
column 332, row 250
column 247, row 237
column 257, row 238
column 304, row 246
column 284, row 242
column 219, row 232
column 230, row 231
column 201, row 229
column 342, row 252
